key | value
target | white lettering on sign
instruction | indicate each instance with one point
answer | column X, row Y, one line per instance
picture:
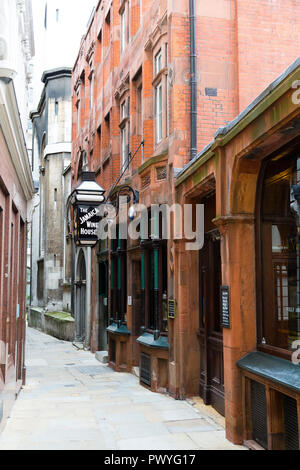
column 92, row 225
column 84, row 231
column 89, row 216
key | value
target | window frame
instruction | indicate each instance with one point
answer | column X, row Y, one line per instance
column 261, row 346
column 148, row 250
column 158, row 113
column 158, row 62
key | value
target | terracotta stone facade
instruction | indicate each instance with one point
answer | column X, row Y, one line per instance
column 231, row 169
column 131, row 85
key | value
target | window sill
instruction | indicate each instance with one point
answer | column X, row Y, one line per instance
column 147, row 339
column 158, row 77
column 272, row 368
column 124, row 122
column 122, row 330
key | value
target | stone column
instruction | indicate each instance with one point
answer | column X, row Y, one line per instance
column 238, row 272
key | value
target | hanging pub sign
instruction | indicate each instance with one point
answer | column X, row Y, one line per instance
column 225, row 310
column 86, row 223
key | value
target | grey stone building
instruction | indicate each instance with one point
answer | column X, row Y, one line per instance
column 51, row 157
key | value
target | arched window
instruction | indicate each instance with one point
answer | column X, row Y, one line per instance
column 278, row 235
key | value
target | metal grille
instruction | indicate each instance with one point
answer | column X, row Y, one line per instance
column 291, row 423
column 146, row 180
column 145, row 369
column 161, row 173
column 112, row 348
column 259, row 414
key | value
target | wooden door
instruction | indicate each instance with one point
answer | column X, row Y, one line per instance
column 210, row 333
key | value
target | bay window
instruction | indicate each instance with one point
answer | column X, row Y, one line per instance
column 279, row 268
column 154, row 282
column 118, row 281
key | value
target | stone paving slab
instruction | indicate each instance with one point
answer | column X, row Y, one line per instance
column 73, row 402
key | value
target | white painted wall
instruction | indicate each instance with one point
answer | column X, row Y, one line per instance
column 16, row 51
column 57, row 45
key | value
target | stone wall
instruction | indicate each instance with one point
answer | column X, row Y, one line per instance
column 61, row 325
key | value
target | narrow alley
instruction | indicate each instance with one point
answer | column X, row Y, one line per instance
column 72, row 402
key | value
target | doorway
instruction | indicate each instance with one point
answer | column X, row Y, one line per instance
column 81, row 299
column 103, row 305
column 210, row 332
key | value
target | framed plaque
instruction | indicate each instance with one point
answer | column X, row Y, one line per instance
column 225, row 306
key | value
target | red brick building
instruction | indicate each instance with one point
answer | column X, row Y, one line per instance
column 134, row 82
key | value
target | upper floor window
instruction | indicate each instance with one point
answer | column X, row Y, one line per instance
column 56, row 111
column 83, row 164
column 158, row 112
column 91, row 90
column 107, row 36
column 46, row 16
column 123, row 31
column 123, row 110
column 161, row 93
column 158, row 62
column 279, row 228
column 78, row 115
column 125, row 131
column 124, row 20
column 139, row 110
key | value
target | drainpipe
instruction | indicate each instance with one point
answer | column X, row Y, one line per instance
column 193, row 73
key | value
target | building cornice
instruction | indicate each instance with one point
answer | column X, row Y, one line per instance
column 12, row 129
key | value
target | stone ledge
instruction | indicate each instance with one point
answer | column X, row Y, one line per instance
column 102, row 356
column 60, row 325
column 272, row 368
column 147, row 339
column 118, row 330
column 60, row 316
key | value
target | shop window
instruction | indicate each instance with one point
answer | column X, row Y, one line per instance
column 279, row 235
column 155, row 279
column 118, row 282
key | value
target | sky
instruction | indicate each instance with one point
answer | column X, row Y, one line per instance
column 58, row 28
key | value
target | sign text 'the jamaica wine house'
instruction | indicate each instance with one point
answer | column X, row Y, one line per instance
column 86, row 222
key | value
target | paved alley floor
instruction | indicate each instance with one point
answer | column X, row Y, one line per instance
column 72, row 402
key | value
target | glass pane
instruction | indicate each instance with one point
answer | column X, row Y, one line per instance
column 280, row 253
